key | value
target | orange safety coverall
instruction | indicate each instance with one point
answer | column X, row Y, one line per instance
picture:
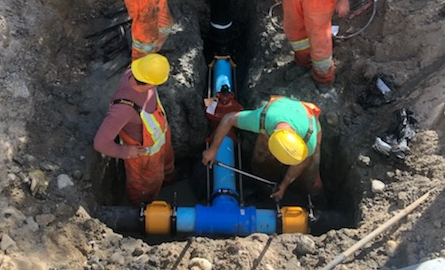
column 307, row 25
column 145, row 174
column 150, row 27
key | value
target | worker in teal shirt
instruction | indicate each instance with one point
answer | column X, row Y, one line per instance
column 289, row 134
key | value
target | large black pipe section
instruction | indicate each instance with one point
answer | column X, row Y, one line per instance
column 222, row 29
column 121, row 218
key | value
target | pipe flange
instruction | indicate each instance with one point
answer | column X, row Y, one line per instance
column 224, row 191
column 142, row 219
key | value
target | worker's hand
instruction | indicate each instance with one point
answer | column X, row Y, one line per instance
column 342, row 8
column 208, row 157
column 135, row 151
column 278, row 195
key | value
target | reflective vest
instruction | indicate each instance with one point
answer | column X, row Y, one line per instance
column 154, row 126
column 311, row 111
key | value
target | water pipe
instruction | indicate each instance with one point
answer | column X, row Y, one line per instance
column 223, row 214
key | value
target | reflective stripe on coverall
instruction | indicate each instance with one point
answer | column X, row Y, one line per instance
column 145, row 174
column 307, row 25
column 150, row 27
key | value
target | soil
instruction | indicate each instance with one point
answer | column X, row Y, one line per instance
column 57, row 77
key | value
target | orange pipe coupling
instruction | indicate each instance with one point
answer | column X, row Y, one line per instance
column 158, row 218
column 295, row 219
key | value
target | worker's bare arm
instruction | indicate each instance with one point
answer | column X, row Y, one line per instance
column 228, row 121
column 293, row 172
column 342, row 7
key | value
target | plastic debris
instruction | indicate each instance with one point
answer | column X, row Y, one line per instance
column 394, row 142
column 381, row 92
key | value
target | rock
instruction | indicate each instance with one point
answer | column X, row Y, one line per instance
column 364, row 160
column 39, row 182
column 437, row 224
column 7, row 242
column 63, row 180
column 137, row 252
column 305, row 245
column 117, row 258
column 11, row 177
column 200, row 264
column 46, row 166
column 45, row 219
column 377, row 186
column 143, row 258
column 77, row 175
column 402, row 199
column 391, row 248
column 332, row 119
column 31, row 224
column 82, row 213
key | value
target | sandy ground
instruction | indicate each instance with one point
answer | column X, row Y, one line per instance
column 54, row 93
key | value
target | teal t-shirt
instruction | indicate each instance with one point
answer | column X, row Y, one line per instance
column 285, row 110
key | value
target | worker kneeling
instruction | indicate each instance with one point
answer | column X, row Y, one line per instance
column 289, row 134
column 137, row 116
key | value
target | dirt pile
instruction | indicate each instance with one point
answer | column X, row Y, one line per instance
column 55, row 91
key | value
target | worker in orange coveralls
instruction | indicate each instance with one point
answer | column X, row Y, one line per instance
column 150, row 27
column 307, row 25
column 137, row 116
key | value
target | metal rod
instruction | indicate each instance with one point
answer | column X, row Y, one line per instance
column 245, row 173
column 240, row 176
column 208, row 179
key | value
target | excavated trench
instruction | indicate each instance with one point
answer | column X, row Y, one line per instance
column 343, row 191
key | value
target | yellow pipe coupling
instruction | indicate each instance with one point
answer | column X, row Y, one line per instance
column 295, row 219
column 158, row 217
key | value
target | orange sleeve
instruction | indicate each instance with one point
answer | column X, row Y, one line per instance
column 132, row 8
column 165, row 17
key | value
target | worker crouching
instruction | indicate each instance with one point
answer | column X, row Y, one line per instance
column 289, row 134
column 137, row 116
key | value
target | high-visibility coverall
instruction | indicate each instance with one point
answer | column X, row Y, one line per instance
column 145, row 174
column 150, row 27
column 139, row 119
column 307, row 25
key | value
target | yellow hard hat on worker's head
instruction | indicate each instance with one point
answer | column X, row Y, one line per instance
column 152, row 69
column 286, row 146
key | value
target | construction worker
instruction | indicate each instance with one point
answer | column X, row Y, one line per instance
column 289, row 134
column 150, row 27
column 307, row 25
column 137, row 116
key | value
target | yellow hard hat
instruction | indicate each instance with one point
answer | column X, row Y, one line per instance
column 286, row 146
column 152, row 69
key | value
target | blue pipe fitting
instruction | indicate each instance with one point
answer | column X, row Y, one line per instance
column 186, row 219
column 224, row 215
column 225, row 219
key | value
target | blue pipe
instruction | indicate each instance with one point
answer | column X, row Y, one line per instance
column 225, row 219
column 222, row 177
column 225, row 216
column 222, row 75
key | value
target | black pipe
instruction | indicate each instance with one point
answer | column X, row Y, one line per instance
column 220, row 12
column 221, row 31
column 119, row 218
